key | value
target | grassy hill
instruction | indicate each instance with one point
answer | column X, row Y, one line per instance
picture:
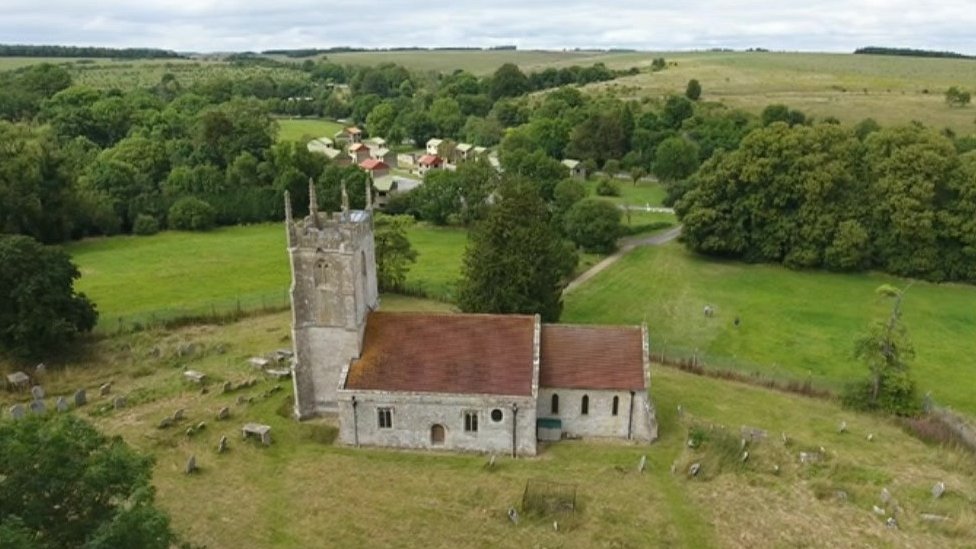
column 304, row 130
column 303, row 490
column 797, row 325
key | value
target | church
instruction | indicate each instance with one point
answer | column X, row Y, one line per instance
column 463, row 382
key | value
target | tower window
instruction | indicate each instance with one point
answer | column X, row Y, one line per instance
column 321, row 271
column 585, row 405
column 616, row 405
column 384, row 418
column 555, row 404
column 362, row 257
column 496, row 415
column 470, row 422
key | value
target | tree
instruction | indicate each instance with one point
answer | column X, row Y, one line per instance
column 594, row 225
column 515, row 261
column 676, row 110
column 636, row 174
column 446, row 115
column 438, row 198
column 40, row 312
column 694, row 89
column 191, row 214
column 380, row 119
column 394, row 253
column 955, row 97
column 886, row 350
column 566, row 193
column 508, row 81
column 675, row 159
column 67, row 485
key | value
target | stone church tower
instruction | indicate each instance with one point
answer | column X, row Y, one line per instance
column 333, row 287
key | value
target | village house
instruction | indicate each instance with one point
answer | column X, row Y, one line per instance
column 320, row 145
column 375, row 168
column 429, row 162
column 462, row 382
column 386, row 186
column 463, row 152
column 576, row 169
column 358, row 152
column 350, row 134
column 384, row 155
column 433, row 146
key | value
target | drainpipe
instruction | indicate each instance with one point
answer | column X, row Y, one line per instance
column 630, row 416
column 514, row 428
column 355, row 421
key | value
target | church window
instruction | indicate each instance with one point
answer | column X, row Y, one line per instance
column 321, row 271
column 470, row 422
column 616, row 405
column 496, row 415
column 362, row 257
column 555, row 404
column 385, row 418
column 585, row 405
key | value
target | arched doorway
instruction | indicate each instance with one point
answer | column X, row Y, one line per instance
column 437, row 435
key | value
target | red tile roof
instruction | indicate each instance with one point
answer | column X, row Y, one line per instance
column 592, row 357
column 444, row 353
column 373, row 164
column 430, row 160
column 357, row 147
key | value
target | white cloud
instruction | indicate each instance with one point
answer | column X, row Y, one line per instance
column 223, row 25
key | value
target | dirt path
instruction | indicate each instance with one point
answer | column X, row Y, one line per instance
column 626, row 245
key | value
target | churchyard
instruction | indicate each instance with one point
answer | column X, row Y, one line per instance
column 302, row 488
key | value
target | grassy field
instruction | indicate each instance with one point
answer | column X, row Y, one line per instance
column 482, row 62
column 892, row 90
column 641, row 194
column 305, row 129
column 138, row 279
column 794, row 324
column 303, row 489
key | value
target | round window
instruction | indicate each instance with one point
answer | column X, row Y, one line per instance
column 496, row 415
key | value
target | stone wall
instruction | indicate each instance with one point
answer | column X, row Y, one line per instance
column 414, row 414
column 599, row 420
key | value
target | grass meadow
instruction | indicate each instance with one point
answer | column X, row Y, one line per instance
column 794, row 325
column 304, row 130
column 304, row 489
column 141, row 279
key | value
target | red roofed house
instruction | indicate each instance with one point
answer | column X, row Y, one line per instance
column 429, row 162
column 465, row 382
column 358, row 152
column 351, row 134
column 376, row 168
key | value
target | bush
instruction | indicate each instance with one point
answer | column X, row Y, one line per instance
column 145, row 225
column 191, row 214
column 607, row 187
column 897, row 395
column 594, row 225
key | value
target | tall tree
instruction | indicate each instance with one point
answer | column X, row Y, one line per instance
column 394, row 253
column 508, row 81
column 515, row 261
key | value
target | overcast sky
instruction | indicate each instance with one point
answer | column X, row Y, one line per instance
column 237, row 25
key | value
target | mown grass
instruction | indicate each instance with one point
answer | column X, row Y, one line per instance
column 644, row 193
column 301, row 490
column 798, row 325
column 477, row 62
column 140, row 279
column 304, row 130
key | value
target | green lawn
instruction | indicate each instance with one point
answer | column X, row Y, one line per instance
column 302, row 490
column 138, row 279
column 642, row 194
column 794, row 324
column 305, row 129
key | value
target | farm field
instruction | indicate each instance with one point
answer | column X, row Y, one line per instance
column 485, row 62
column 139, row 279
column 304, row 130
column 794, row 325
column 304, row 489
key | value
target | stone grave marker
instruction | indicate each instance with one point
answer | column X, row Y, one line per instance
column 118, row 403
column 228, row 386
column 643, row 464
column 104, row 389
column 18, row 380
column 37, row 392
column 195, row 376
column 256, row 429
column 694, row 469
column 842, row 428
column 40, row 369
column 223, row 413
column 885, row 496
column 38, row 406
column 258, row 363
column 81, row 398
column 179, row 415
column 17, row 411
column 222, row 445
column 938, row 490
column 752, row 434
column 191, row 465
column 61, row 404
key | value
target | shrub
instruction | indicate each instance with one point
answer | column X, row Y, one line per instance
column 607, row 187
column 594, row 225
column 897, row 395
column 145, row 225
column 191, row 214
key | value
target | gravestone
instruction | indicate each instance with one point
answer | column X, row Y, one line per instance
column 37, row 392
column 61, row 404
column 258, row 363
column 228, row 386
column 694, row 469
column 195, row 376
column 808, row 458
column 938, row 490
column 752, row 434
column 491, row 463
column 643, row 464
column 179, row 415
column 878, row 511
column 222, row 445
column 40, row 369
column 842, row 428
column 17, row 411
column 776, row 469
column 278, row 374
column 80, row 398
column 870, row 437
column 18, row 380
column 201, row 426
column 513, row 515
column 165, row 423
column 256, row 429
column 745, row 457
column 891, row 523
column 191, row 465
column 104, row 389
column 118, row 403
column 885, row 496
column 38, row 406
column 929, row 517
column 223, row 413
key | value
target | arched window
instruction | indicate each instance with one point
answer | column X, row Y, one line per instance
column 555, row 404
column 585, row 405
column 363, row 258
column 616, row 405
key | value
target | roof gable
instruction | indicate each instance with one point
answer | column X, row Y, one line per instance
column 592, row 357
column 444, row 353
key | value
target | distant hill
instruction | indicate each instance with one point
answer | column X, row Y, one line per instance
column 24, row 50
column 909, row 52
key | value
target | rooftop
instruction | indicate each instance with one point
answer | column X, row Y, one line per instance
column 592, row 357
